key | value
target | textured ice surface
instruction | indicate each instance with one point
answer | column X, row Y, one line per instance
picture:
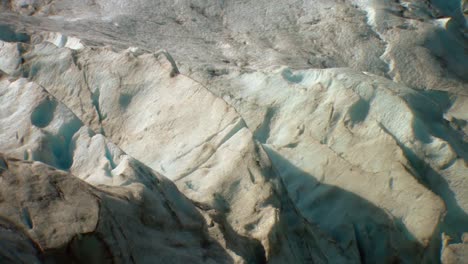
column 293, row 131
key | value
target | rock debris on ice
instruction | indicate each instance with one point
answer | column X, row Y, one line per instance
column 233, row 132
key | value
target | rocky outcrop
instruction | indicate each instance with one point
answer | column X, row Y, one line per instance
column 52, row 216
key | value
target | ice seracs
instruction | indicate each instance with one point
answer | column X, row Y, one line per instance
column 289, row 131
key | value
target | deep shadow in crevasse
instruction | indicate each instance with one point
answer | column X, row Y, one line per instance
column 43, row 114
column 9, row 34
column 15, row 240
column 429, row 107
column 449, row 46
column 430, row 122
column 60, row 145
column 351, row 220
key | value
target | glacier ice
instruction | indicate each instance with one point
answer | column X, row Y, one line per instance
column 233, row 132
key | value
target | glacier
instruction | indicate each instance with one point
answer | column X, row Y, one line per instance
column 233, row 131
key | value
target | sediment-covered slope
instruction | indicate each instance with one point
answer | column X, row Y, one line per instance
column 417, row 42
column 49, row 215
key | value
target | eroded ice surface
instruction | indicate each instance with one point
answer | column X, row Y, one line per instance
column 234, row 132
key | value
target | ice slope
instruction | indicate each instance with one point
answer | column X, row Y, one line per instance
column 244, row 210
column 365, row 135
column 362, row 162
